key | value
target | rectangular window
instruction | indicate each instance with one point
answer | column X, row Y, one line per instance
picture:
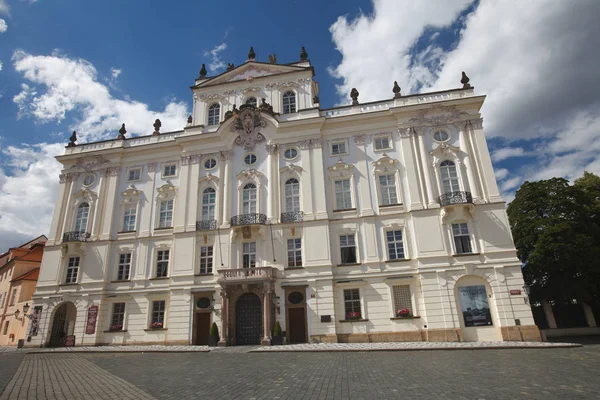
column 338, row 148
column 72, row 270
column 343, row 194
column 129, row 217
column 462, row 240
column 294, row 252
column 382, row 143
column 158, row 314
column 352, row 304
column 395, row 245
column 165, row 218
column 134, row 174
column 118, row 317
column 124, row 267
column 402, row 301
column 387, row 188
column 5, row 331
column 249, row 255
column 348, row 249
column 169, row 170
column 13, row 298
column 206, row 259
column 162, row 263
column 3, row 297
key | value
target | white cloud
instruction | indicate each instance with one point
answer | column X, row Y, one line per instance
column 501, row 173
column 507, row 152
column 510, row 184
column 3, row 26
column 0, row 65
column 4, row 8
column 216, row 63
column 64, row 85
column 115, row 72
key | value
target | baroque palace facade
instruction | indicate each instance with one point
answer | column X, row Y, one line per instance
column 368, row 222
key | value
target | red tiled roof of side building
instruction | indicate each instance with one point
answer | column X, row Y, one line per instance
column 28, row 276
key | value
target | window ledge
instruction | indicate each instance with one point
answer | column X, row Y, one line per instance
column 162, row 278
column 163, row 229
column 413, row 317
column 465, row 254
column 292, row 268
column 345, row 209
column 115, row 331
column 155, row 329
column 348, row 265
column 124, row 232
column 68, row 284
column 353, row 320
column 208, row 274
column 121, row 281
column 390, row 205
column 398, row 260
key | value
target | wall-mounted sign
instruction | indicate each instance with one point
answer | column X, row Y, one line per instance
column 92, row 317
column 325, row 318
column 474, row 306
column 515, row 292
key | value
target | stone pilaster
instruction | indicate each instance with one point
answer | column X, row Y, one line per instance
column 228, row 186
column 363, row 179
column 318, row 179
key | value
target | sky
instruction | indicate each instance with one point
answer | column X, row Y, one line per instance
column 89, row 66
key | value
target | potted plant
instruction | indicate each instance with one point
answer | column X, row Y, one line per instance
column 213, row 339
column 353, row 316
column 116, row 327
column 156, row 325
column 403, row 313
column 277, row 339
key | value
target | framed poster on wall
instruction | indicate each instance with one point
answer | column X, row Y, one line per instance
column 475, row 306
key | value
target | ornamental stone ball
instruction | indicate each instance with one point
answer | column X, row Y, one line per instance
column 157, row 125
column 251, row 54
column 189, row 120
column 273, row 58
column 465, row 81
column 203, row 72
column 396, row 90
column 122, row 132
column 354, row 94
column 230, row 66
column 72, row 140
column 303, row 54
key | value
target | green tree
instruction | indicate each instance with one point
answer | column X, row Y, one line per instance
column 557, row 236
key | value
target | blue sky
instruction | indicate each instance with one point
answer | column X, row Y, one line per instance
column 89, row 66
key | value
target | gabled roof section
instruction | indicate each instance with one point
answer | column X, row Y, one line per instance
column 250, row 70
column 28, row 276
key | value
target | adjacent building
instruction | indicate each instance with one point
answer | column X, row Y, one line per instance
column 377, row 221
column 19, row 270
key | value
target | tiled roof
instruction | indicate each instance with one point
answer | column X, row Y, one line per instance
column 29, row 276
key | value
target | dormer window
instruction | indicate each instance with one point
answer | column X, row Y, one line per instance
column 214, row 113
column 289, row 102
column 252, row 101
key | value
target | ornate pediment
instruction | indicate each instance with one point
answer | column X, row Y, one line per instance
column 131, row 195
column 290, row 169
column 166, row 191
column 340, row 168
column 443, row 151
column 439, row 115
column 210, row 179
column 247, row 123
column 89, row 163
column 250, row 174
column 250, row 71
column 85, row 195
column 385, row 164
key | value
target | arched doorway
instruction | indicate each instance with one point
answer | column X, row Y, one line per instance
column 248, row 319
column 63, row 324
column 477, row 310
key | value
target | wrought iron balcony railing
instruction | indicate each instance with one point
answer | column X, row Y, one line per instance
column 249, row 219
column 209, row 225
column 294, row 216
column 245, row 274
column 75, row 236
column 451, row 198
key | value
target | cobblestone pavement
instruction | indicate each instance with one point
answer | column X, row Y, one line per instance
column 553, row 373
column 121, row 349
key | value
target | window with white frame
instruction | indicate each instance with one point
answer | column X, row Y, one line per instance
column 402, row 301
column 209, row 201
column 214, row 114
column 249, row 255
column 395, row 245
column 134, row 174
column 290, row 153
column 162, row 263
column 343, row 194
column 210, row 163
column 81, row 219
column 462, row 239
column 249, row 199
column 292, row 195
column 72, row 270
column 294, row 250
column 165, row 217
column 382, row 142
column 387, row 190
column 338, row 148
column 252, row 102
column 352, row 309
column 129, row 215
column 289, row 102
column 124, row 268
column 13, row 298
column 348, row 249
column 118, row 317
column 449, row 177
column 206, row 259
column 169, row 170
column 158, row 314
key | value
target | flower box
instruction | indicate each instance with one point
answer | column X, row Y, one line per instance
column 156, row 325
column 116, row 327
column 404, row 313
column 353, row 316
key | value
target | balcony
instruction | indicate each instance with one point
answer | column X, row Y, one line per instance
column 209, row 225
column 249, row 219
column 246, row 275
column 453, row 198
column 294, row 216
column 75, row 236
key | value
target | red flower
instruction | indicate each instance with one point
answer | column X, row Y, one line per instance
column 405, row 312
column 116, row 327
column 157, row 325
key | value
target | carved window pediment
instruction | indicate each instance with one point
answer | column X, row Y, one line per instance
column 385, row 164
column 131, row 195
column 443, row 151
column 341, row 169
column 291, row 169
column 85, row 195
column 209, row 179
column 166, row 191
column 250, row 175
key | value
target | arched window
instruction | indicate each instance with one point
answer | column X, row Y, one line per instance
column 209, row 197
column 214, row 113
column 292, row 195
column 82, row 217
column 449, row 177
column 289, row 102
column 249, row 199
column 252, row 101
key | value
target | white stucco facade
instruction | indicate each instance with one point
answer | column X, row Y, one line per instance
column 380, row 217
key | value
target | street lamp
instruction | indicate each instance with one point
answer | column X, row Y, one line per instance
column 17, row 314
column 25, row 308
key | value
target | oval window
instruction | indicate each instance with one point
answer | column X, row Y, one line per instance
column 89, row 180
column 296, row 298
column 441, row 136
column 210, row 163
column 250, row 159
column 290, row 154
column 203, row 302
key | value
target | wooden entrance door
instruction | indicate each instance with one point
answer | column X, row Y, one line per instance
column 202, row 328
column 297, row 324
